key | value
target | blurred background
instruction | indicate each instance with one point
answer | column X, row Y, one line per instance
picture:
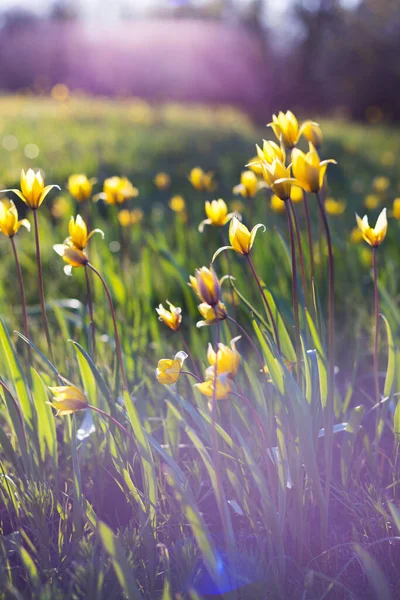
column 332, row 57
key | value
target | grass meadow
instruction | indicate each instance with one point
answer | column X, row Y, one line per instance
column 276, row 477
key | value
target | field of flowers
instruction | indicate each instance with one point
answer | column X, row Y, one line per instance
column 199, row 362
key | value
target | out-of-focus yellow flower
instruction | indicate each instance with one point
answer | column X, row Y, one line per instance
column 387, row 159
column 237, row 206
column 334, row 207
column 33, row 191
column 277, row 177
column 222, row 387
column 177, row 204
column 312, row 133
column 227, row 359
column 277, row 205
column 217, row 213
column 124, row 218
column 296, row 194
column 162, row 181
column 211, row 314
column 67, row 399
column 172, row 317
column 240, row 237
column 136, row 216
column 72, row 256
column 286, row 128
column 371, row 201
column 168, row 370
column 249, row 185
column 396, row 208
column 208, row 285
column 60, row 207
column 374, row 236
column 231, row 297
column 308, row 170
column 9, row 223
column 80, row 187
column 116, row 190
column 355, row 235
column 200, row 180
column 381, row 183
column 78, row 233
column 366, row 257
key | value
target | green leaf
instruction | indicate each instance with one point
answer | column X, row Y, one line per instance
column 323, row 375
column 45, row 419
column 390, row 371
column 273, row 365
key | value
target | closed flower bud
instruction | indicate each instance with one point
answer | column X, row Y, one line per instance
column 208, row 285
column 240, row 237
column 277, row 177
column 9, row 223
column 80, row 187
column 67, row 399
column 169, row 370
column 374, row 236
column 172, row 317
column 286, row 128
column 312, row 133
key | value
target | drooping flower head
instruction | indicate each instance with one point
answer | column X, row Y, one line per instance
column 80, row 187
column 67, row 399
column 72, row 256
column 211, row 314
column 172, row 317
column 9, row 223
column 168, row 370
column 374, row 236
column 217, row 214
column 33, row 191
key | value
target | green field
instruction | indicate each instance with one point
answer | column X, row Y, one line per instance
column 185, row 501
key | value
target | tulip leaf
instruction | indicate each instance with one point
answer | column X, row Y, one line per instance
column 323, row 376
column 273, row 365
column 390, row 371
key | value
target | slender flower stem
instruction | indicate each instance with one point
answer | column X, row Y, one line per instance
column 309, row 236
column 331, row 348
column 23, row 298
column 114, row 421
column 41, row 286
column 117, row 342
column 90, row 308
column 242, row 329
column 300, row 250
column 271, row 316
column 191, row 375
column 295, row 296
column 188, row 352
column 376, row 376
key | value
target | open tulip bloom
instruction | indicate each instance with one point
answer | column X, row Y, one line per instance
column 33, row 191
column 374, row 236
column 168, row 370
column 217, row 214
column 240, row 237
column 9, row 223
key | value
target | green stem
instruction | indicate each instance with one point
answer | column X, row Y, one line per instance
column 376, row 294
column 116, row 336
column 300, row 251
column 90, row 308
column 248, row 338
column 309, row 236
column 23, row 297
column 41, row 287
column 114, row 421
column 295, row 296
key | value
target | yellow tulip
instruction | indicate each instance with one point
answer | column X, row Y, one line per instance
column 227, row 359
column 277, row 205
column 312, row 133
column 248, row 186
column 366, row 257
column 217, row 214
column 286, row 128
column 172, row 317
column 240, row 237
column 116, row 190
column 124, row 218
column 208, row 285
column 9, row 223
column 396, row 208
column 296, row 194
column 222, row 387
column 80, row 187
column 168, row 370
column 308, row 170
column 374, row 236
column 277, row 177
column 271, row 151
column 162, row 181
column 78, row 234
column 381, row 183
column 200, row 180
column 211, row 314
column 371, row 201
column 355, row 235
column 177, row 204
column 72, row 256
column 67, row 399
column 334, row 207
column 33, row 191
column 254, row 165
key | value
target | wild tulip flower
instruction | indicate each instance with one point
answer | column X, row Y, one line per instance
column 296, row 194
column 201, row 180
column 162, row 181
column 286, row 128
column 249, row 185
column 277, row 177
column 116, row 190
column 124, row 218
column 312, row 133
column 208, row 285
column 72, row 256
column 381, row 183
column 169, row 370
column 136, row 216
column 78, row 233
column 355, row 235
column 371, row 201
column 277, row 205
column 80, row 187
column 211, row 314
column 270, row 151
column 177, row 204
column 33, row 191
column 217, row 388
column 374, row 236
column 172, row 317
column 217, row 214
column 67, row 399
column 396, row 208
column 308, row 170
column 227, row 359
column 334, row 207
column 241, row 239
column 9, row 222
